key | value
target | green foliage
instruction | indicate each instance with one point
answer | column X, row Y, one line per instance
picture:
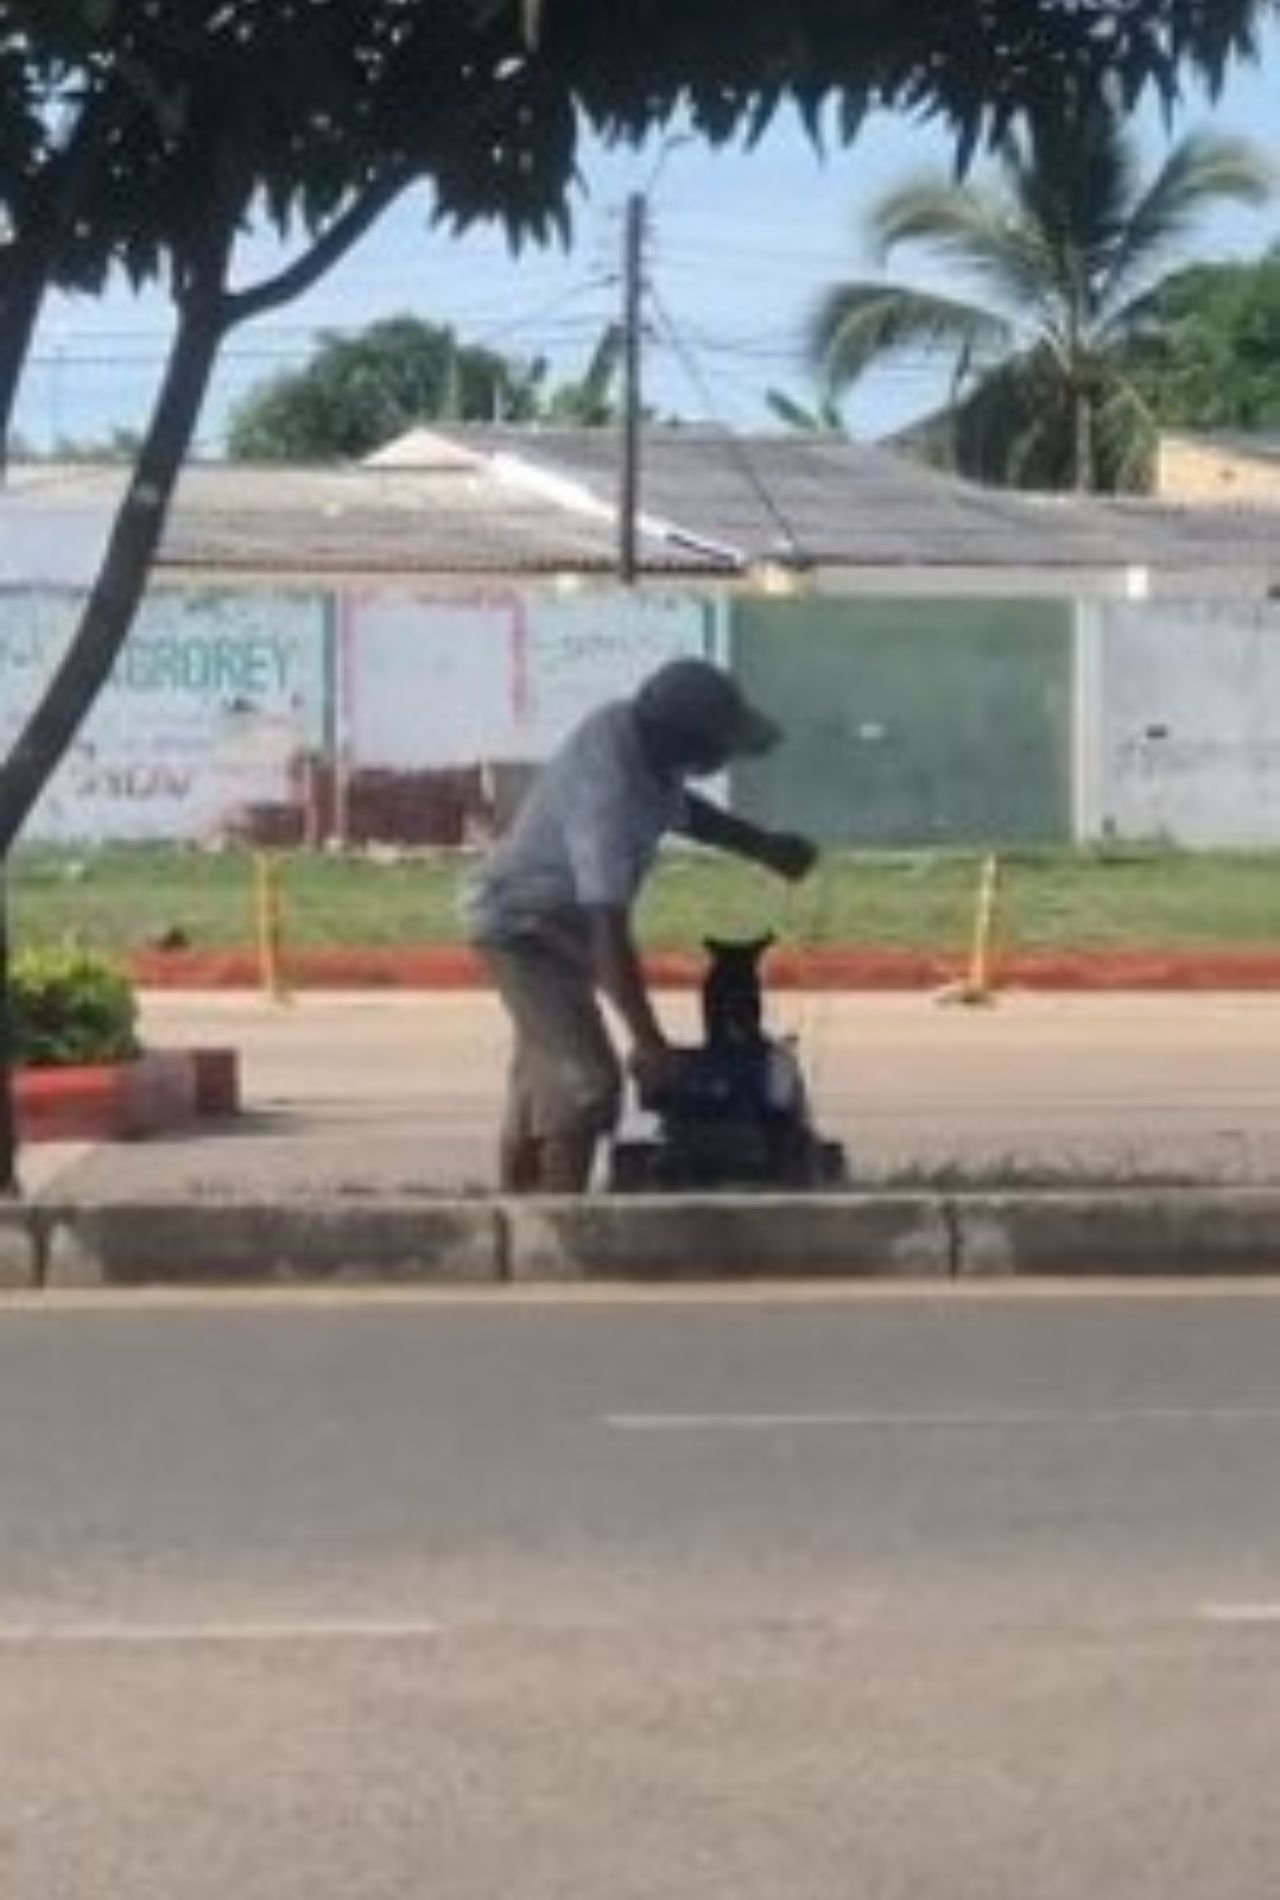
column 359, row 392
column 1064, row 252
column 119, row 118
column 591, row 401
column 71, row 1007
column 976, row 63
column 1210, row 358
column 822, row 416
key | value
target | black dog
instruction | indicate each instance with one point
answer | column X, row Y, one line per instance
column 735, row 1112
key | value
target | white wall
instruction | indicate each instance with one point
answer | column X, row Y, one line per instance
column 1177, row 714
column 218, row 692
column 499, row 677
column 213, row 697
column 425, row 682
column 43, row 546
column 1187, row 706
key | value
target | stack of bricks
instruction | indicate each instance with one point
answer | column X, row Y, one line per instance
column 448, row 807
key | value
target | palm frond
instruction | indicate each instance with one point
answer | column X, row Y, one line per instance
column 1075, row 181
column 1063, row 254
column 824, row 418
column 1204, row 170
column 603, row 367
column 857, row 325
column 980, row 231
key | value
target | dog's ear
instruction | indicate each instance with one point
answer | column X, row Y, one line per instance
column 715, row 946
column 759, row 945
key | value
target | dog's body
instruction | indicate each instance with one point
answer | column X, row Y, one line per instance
column 737, row 1113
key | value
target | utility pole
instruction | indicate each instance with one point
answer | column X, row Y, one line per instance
column 632, row 319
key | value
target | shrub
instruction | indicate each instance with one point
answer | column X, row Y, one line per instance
column 71, row 1007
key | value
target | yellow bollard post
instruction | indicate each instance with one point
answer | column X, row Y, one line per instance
column 979, row 986
column 269, row 915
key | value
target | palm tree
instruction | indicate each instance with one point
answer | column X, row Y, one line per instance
column 591, row 400
column 1059, row 260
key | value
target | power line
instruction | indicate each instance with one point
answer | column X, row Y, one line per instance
column 605, row 280
column 824, row 263
column 91, row 359
column 734, row 444
column 740, row 385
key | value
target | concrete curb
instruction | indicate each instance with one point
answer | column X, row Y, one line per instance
column 19, row 1255
column 350, row 1240
column 719, row 1237
column 1118, row 1230
column 278, row 1243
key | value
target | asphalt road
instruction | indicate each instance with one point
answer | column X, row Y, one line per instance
column 891, row 1595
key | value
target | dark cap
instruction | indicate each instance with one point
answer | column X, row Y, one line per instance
column 693, row 700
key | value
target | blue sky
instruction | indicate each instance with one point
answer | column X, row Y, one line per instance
column 740, row 244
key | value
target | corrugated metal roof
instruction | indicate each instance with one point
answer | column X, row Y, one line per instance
column 509, row 502
column 457, row 514
column 837, row 503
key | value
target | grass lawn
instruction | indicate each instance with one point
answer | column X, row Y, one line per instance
column 121, row 898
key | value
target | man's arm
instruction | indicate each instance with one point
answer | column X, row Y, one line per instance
column 615, row 962
column 778, row 851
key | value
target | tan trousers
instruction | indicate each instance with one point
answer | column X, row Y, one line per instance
column 565, row 1080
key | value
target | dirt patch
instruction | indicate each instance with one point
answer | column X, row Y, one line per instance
column 454, row 967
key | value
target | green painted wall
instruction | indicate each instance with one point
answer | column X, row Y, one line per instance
column 911, row 721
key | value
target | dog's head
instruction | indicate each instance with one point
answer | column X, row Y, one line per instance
column 736, row 954
column 732, row 1003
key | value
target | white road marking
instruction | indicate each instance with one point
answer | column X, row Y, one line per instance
column 1240, row 1615
column 937, row 1421
column 249, row 1635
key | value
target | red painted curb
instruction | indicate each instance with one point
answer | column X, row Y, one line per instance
column 846, row 967
column 79, row 1104
column 125, row 1101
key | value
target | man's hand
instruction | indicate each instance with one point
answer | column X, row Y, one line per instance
column 789, row 855
column 655, row 1065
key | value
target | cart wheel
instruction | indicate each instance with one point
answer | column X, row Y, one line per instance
column 833, row 1164
column 632, row 1166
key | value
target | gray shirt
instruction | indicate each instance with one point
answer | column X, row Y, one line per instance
column 586, row 834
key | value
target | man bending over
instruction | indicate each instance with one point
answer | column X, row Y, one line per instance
column 551, row 906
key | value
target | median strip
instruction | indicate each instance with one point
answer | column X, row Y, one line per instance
column 334, row 1240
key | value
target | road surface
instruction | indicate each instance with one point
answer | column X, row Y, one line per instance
column 866, row 1595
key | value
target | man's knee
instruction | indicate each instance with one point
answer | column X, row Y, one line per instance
column 580, row 1096
column 566, row 1079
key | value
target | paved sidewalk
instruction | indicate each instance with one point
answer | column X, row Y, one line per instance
column 399, row 1093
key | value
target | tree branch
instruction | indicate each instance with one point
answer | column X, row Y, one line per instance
column 28, row 257
column 333, row 244
column 112, row 602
